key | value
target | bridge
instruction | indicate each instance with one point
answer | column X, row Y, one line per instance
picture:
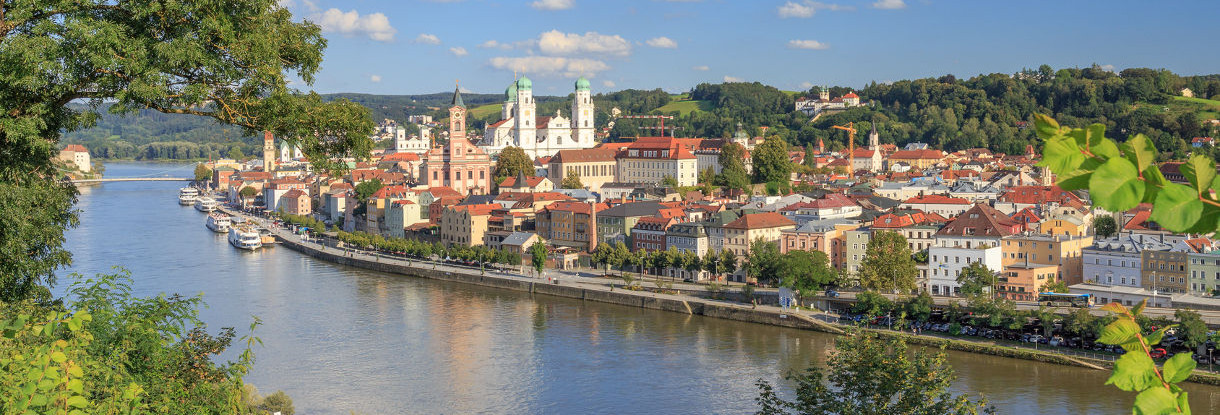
column 134, row 179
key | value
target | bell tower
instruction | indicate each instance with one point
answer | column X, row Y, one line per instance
column 268, row 151
column 457, row 116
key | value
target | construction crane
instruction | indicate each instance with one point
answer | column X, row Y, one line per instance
column 660, row 119
column 851, row 147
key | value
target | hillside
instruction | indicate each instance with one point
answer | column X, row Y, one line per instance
column 984, row 111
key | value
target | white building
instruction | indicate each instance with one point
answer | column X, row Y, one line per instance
column 520, row 124
column 400, row 215
column 974, row 236
column 652, row 159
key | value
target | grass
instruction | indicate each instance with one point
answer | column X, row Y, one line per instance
column 485, row 110
column 686, row 106
column 1205, row 109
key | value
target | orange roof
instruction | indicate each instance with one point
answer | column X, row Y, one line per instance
column 574, row 207
column 477, row 210
column 917, row 155
column 1034, row 195
column 851, row 95
column 76, row 148
column 760, row 221
column 401, row 157
column 596, row 154
column 531, row 181
column 677, row 149
column 937, row 199
column 389, row 191
column 439, row 192
column 294, row 194
column 981, row 220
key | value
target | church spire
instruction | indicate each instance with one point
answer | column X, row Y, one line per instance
column 457, row 96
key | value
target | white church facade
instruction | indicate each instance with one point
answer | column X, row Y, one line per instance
column 540, row 135
column 403, row 143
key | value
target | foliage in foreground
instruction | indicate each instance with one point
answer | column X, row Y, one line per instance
column 109, row 352
column 869, row 375
column 1158, row 392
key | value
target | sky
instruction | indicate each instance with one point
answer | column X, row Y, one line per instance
column 424, row 46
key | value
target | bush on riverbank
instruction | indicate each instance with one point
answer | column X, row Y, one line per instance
column 304, row 221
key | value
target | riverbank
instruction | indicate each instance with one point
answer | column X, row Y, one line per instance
column 679, row 303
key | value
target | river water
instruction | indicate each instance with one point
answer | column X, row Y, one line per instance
column 340, row 340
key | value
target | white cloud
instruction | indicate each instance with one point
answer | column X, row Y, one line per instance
column 662, row 42
column 806, row 85
column 375, row 78
column 732, row 79
column 559, row 43
column 550, row 65
column 375, row 25
column 608, row 83
column 552, row 4
column 808, row 8
column 458, row 51
column 700, row 68
column 890, row 4
column 1108, row 68
column 807, row 44
column 428, row 38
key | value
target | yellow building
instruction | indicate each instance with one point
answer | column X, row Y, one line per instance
column 1059, row 250
column 466, row 224
column 1023, row 282
column 595, row 166
column 1065, row 226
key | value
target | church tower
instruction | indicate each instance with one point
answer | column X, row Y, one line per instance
column 874, row 139
column 523, row 120
column 510, row 101
column 268, row 151
column 582, row 114
column 457, row 116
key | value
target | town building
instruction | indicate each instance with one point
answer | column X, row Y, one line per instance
column 1204, row 268
column 974, row 236
column 465, row 225
column 458, row 165
column 595, row 167
column 652, row 159
column 767, row 226
column 941, row 205
column 649, row 234
column 570, row 224
column 522, row 126
column 295, row 202
column 77, row 156
column 1062, row 252
column 526, row 184
column 819, row 235
column 1164, row 271
column 400, row 215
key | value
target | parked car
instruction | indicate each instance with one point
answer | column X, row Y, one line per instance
column 832, row 293
column 1157, row 353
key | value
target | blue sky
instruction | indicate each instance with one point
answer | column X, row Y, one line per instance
column 422, row 46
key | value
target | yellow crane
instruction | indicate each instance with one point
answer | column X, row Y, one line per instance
column 851, row 147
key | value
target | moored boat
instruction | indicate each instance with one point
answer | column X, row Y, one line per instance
column 219, row 222
column 206, row 204
column 244, row 237
column 187, row 196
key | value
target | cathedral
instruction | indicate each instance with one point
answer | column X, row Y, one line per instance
column 457, row 164
column 540, row 135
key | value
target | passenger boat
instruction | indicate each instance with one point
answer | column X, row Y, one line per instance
column 245, row 238
column 219, row 222
column 206, row 204
column 187, row 196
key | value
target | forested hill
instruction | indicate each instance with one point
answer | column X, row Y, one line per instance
column 984, row 111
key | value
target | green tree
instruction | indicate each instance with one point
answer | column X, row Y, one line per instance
column 887, row 264
column 236, row 154
column 365, row 189
column 538, row 256
column 711, row 264
column 511, row 162
column 669, row 181
column 764, row 261
column 977, row 279
column 771, row 161
column 247, row 193
column 805, row 271
column 873, row 304
column 1157, row 390
column 920, row 306
column 692, row 264
column 870, row 375
column 229, row 61
column 1191, row 328
column 1057, row 286
column 202, row 173
column 733, row 173
column 572, row 181
column 728, row 262
column 1104, row 226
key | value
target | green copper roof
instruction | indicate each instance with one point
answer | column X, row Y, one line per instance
column 524, row 84
column 510, row 94
column 457, row 97
column 582, row 84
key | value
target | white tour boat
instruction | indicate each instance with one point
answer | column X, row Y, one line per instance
column 187, row 196
column 245, row 238
column 219, row 222
column 206, row 204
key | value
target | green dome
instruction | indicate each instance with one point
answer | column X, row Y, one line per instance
column 582, row 84
column 510, row 94
column 524, row 84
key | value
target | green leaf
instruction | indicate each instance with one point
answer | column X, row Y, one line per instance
column 1178, row 367
column 1155, row 401
column 1079, row 178
column 1119, row 332
column 1140, row 151
column 1209, row 220
column 1116, row 186
column 1098, row 143
column 1045, row 126
column 1156, row 336
column 78, row 402
column 1133, row 372
column 1177, row 207
column 1200, row 171
column 1183, row 403
column 1139, row 308
column 1115, row 308
column 58, row 357
column 1155, row 180
column 1062, row 155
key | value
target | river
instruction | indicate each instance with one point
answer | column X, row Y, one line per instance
column 340, row 340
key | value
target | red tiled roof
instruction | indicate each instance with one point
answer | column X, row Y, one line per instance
column 677, row 149
column 863, row 153
column 1034, row 195
column 937, row 199
column 574, row 207
column 1137, row 222
column 477, row 210
column 531, row 181
column 596, row 154
column 389, row 191
column 76, row 148
column 294, row 194
column 760, row 221
column 917, row 155
column 1026, row 215
column 401, row 157
column 439, row 192
column 981, row 220
column 497, row 123
column 851, row 95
